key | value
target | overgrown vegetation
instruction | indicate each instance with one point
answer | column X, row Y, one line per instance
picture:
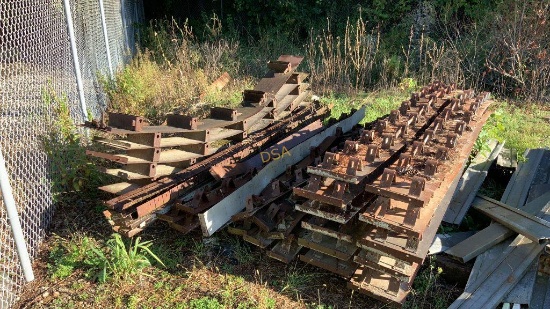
column 501, row 46
column 173, row 74
column 71, row 169
column 522, row 126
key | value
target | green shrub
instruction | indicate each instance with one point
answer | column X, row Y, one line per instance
column 64, row 145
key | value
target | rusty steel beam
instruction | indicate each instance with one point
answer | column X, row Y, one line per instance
column 164, row 190
column 126, row 122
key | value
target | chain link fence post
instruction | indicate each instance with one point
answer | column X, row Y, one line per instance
column 106, row 36
column 74, row 51
column 17, row 231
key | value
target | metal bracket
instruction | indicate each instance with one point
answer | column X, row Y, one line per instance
column 405, row 107
column 367, row 137
column 381, row 126
column 439, row 124
column 417, row 186
column 387, row 140
column 428, row 136
column 373, row 152
column 254, row 96
column 460, row 127
column 330, row 160
column 388, row 177
column 126, row 122
column 431, row 167
column 451, row 140
column 223, row 113
column 413, row 118
column 394, row 116
column 354, row 165
column 350, row 147
column 417, row 148
column 442, row 153
column 182, row 121
column 404, row 160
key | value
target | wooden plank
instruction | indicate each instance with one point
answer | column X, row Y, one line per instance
column 480, row 242
column 491, row 235
column 537, row 189
column 484, row 266
column 217, row 216
column 516, row 192
column 478, row 245
column 470, row 183
column 495, row 283
column 524, row 287
column 519, row 221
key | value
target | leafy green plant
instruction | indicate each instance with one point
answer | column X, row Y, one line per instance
column 408, row 84
column 115, row 260
column 522, row 127
column 65, row 147
column 121, row 262
column 205, row 303
column 173, row 74
column 268, row 303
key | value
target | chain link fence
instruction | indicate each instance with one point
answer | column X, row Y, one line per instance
column 35, row 55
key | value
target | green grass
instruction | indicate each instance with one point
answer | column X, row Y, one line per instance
column 523, row 126
column 205, row 303
column 377, row 103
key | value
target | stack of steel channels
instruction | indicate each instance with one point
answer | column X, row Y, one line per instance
column 176, row 155
column 183, row 215
column 375, row 205
column 335, row 193
column 151, row 152
column 412, row 196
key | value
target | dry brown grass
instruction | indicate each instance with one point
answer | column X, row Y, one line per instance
column 173, row 77
column 343, row 64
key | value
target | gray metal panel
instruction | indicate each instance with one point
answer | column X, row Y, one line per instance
column 480, row 242
column 519, row 294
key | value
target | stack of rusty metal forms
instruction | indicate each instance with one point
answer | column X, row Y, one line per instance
column 412, row 196
column 370, row 211
column 163, row 164
column 270, row 219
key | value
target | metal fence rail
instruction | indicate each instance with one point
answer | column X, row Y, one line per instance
column 35, row 54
